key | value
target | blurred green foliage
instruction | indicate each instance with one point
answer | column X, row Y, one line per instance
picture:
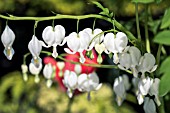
column 17, row 96
column 34, row 7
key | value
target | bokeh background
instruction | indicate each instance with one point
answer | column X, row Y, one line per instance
column 17, row 96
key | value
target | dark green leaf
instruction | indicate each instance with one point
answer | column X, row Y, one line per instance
column 164, row 84
column 143, row 1
column 166, row 19
column 163, row 37
column 158, row 1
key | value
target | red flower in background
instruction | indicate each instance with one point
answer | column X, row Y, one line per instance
column 71, row 67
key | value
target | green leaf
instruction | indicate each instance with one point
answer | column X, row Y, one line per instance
column 164, row 68
column 143, row 1
column 158, row 1
column 98, row 5
column 166, row 19
column 163, row 37
column 164, row 84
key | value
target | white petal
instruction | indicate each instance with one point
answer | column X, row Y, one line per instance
column 84, row 40
column 149, row 106
column 72, row 81
column 55, row 54
column 135, row 55
column 100, row 48
column 24, row 68
column 59, row 34
column 9, row 52
column 73, row 42
column 140, row 98
column 99, row 38
column 48, row 71
column 121, row 41
column 34, row 46
column 7, row 37
column 48, row 35
column 69, row 93
column 82, row 59
column 109, row 42
column 35, row 70
column 125, row 60
column 99, row 86
column 68, row 51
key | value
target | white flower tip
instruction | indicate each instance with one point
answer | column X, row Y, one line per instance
column 69, row 93
column 77, row 68
column 82, row 59
column 9, row 53
column 49, row 83
column 60, row 65
column 99, row 86
column 24, row 68
column 37, row 79
column 55, row 54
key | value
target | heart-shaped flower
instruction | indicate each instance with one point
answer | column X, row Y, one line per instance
column 7, row 39
column 53, row 37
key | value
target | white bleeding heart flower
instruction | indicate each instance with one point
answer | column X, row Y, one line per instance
column 96, row 34
column 77, row 43
column 7, row 39
column 48, row 74
column 143, row 88
column 35, row 48
column 88, row 83
column 100, row 48
column 149, row 105
column 70, row 81
column 154, row 90
column 53, row 37
column 121, row 85
column 115, row 44
column 129, row 59
column 35, row 71
column 24, row 69
column 147, row 64
column 48, row 71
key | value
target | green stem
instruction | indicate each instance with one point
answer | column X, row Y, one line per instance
column 90, row 65
column 137, row 21
column 162, row 107
column 59, row 16
column 158, row 54
column 69, row 105
column 146, row 30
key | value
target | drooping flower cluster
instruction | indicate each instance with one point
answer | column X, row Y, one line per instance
column 75, row 77
column 83, row 82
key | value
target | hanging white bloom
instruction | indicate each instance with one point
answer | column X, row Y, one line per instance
column 147, row 64
column 130, row 59
column 154, row 91
column 121, row 84
column 7, row 39
column 48, row 71
column 53, row 37
column 143, row 88
column 115, row 44
column 88, row 83
column 96, row 34
column 35, row 48
column 35, row 71
column 48, row 74
column 77, row 43
column 149, row 105
column 70, row 81
column 24, row 69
